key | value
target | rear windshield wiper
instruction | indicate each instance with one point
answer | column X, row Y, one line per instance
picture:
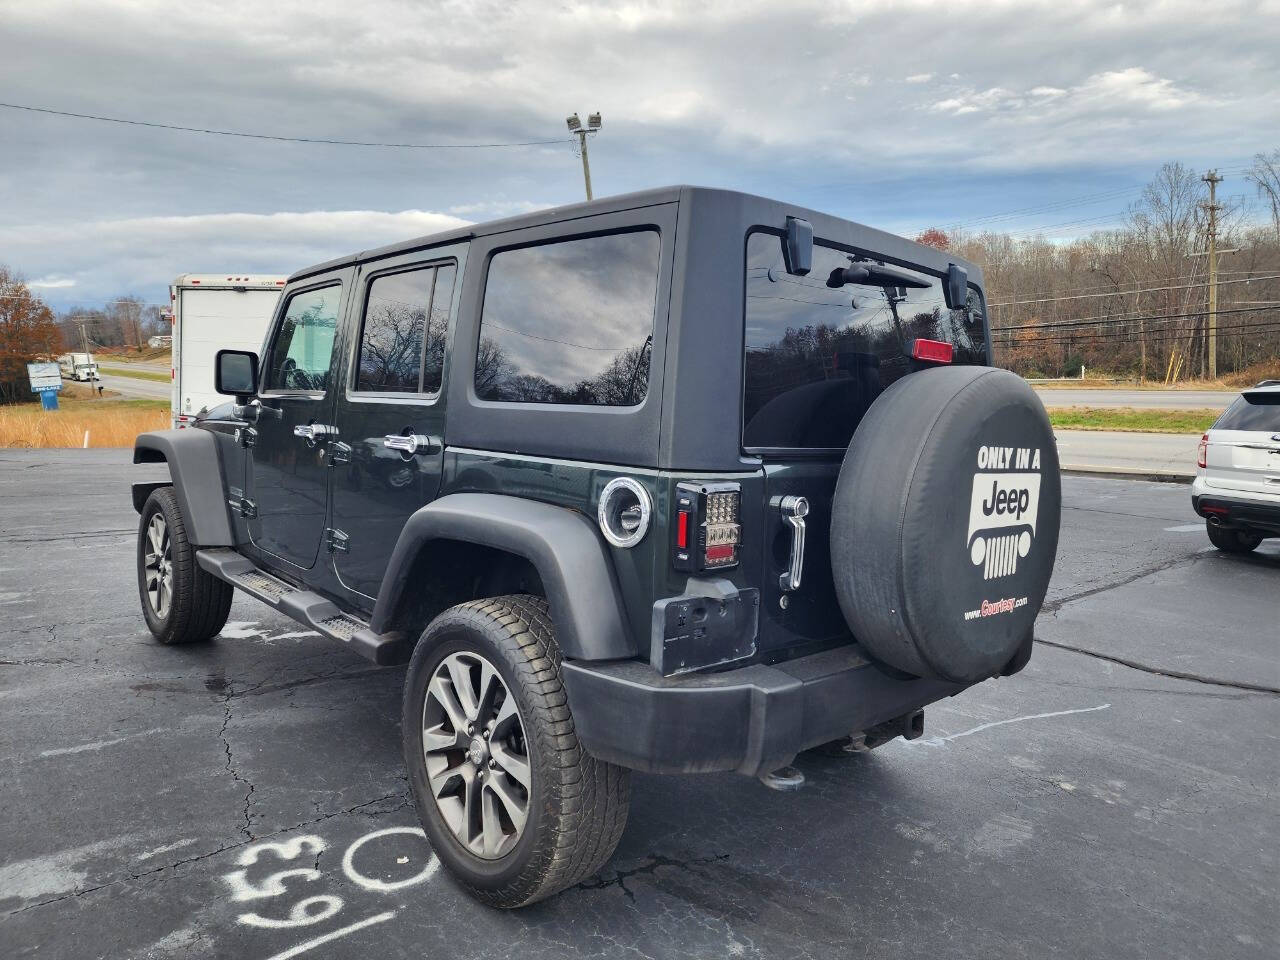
column 875, row 275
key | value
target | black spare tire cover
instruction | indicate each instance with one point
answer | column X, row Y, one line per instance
column 945, row 522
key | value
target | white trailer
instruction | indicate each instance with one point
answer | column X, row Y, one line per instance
column 212, row 312
column 78, row 366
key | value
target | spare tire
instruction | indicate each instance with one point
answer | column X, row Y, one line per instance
column 945, row 522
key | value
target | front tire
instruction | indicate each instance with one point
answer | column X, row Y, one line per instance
column 181, row 602
column 1229, row 540
column 515, row 808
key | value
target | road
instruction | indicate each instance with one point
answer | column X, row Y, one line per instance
column 1171, row 455
column 1139, row 399
column 1084, row 808
column 137, row 387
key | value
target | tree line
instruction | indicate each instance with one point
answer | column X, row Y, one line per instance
column 1133, row 301
column 125, row 323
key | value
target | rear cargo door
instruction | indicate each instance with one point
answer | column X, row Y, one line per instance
column 817, row 356
column 1244, row 445
column 209, row 320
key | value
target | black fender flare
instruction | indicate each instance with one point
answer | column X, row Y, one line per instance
column 564, row 547
column 192, row 456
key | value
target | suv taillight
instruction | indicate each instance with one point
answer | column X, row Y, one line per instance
column 707, row 528
column 1202, row 460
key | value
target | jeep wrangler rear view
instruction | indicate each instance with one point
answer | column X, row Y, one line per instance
column 681, row 481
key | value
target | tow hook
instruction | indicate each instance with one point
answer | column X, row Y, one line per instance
column 784, row 779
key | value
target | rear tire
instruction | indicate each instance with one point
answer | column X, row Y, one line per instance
column 1229, row 540
column 471, row 742
column 181, row 602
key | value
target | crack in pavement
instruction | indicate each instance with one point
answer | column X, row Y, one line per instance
column 650, row 867
column 336, row 674
column 405, row 801
column 230, row 766
column 1053, row 607
column 1161, row 672
column 63, row 537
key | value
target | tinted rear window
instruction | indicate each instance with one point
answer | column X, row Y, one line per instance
column 1257, row 412
column 570, row 322
column 816, row 357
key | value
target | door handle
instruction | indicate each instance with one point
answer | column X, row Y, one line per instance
column 794, row 510
column 411, row 443
column 314, row 433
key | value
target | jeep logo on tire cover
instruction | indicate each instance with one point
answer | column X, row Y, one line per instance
column 1002, row 508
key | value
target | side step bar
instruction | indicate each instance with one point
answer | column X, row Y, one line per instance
column 304, row 606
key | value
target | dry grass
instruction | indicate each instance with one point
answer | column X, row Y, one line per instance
column 108, row 423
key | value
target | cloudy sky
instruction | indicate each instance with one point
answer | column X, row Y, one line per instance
column 899, row 113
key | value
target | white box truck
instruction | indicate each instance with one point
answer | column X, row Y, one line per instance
column 212, row 312
column 78, row 366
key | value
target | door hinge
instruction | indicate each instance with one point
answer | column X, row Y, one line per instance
column 243, row 506
column 336, row 540
column 246, row 436
column 339, row 452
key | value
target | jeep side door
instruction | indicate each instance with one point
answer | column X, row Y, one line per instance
column 390, row 412
column 287, row 474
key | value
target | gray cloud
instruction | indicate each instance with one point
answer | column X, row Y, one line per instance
column 898, row 113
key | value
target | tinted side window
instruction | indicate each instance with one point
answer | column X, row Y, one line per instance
column 303, row 344
column 570, row 322
column 1259, row 412
column 818, row 356
column 437, row 329
column 391, row 340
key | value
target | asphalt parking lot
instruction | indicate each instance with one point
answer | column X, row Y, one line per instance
column 1117, row 799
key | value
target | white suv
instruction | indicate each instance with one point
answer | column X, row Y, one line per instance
column 1237, row 485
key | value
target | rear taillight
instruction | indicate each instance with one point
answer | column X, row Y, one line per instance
column 932, row 351
column 1202, row 460
column 708, row 531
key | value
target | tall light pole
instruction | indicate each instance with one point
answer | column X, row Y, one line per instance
column 575, row 126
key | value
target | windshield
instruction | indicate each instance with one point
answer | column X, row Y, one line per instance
column 817, row 356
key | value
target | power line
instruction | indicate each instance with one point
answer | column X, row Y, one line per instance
column 1085, row 338
column 269, row 136
column 1112, row 287
column 1161, row 325
column 1022, row 212
column 1110, row 293
column 1103, row 321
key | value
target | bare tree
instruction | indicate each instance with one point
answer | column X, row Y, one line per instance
column 1265, row 176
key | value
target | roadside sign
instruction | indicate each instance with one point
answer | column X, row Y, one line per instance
column 44, row 376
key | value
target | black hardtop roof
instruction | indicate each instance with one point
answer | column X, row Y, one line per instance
column 769, row 211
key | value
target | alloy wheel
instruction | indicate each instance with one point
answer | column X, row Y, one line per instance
column 476, row 755
column 158, row 564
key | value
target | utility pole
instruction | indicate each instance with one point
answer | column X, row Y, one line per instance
column 1212, row 179
column 84, row 342
column 1142, row 329
column 576, row 127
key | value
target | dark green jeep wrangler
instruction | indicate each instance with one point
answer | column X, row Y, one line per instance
column 681, row 481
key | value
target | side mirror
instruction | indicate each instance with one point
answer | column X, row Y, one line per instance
column 235, row 373
column 957, row 288
column 797, row 246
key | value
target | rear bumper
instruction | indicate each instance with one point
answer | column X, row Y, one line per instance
column 1229, row 511
column 753, row 720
